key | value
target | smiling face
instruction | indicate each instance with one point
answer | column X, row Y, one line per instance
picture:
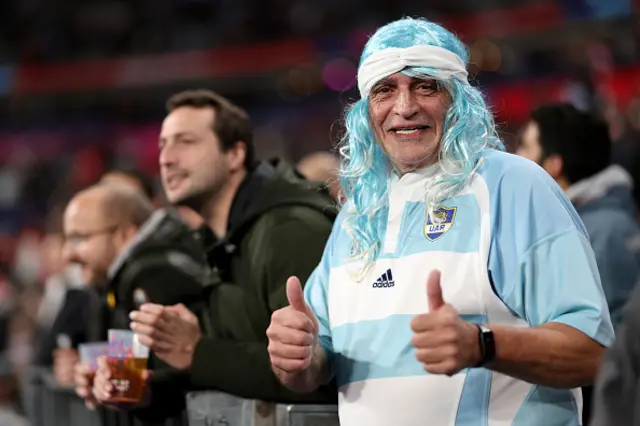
column 192, row 163
column 407, row 114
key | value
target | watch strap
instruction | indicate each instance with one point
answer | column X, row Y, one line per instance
column 487, row 345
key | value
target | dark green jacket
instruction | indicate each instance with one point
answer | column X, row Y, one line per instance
column 279, row 224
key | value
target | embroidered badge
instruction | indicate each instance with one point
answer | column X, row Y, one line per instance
column 444, row 217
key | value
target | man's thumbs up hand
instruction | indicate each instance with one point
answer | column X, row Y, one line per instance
column 444, row 342
column 293, row 332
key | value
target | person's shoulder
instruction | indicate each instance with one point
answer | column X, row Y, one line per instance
column 503, row 171
column 525, row 194
column 299, row 217
column 506, row 165
column 300, row 201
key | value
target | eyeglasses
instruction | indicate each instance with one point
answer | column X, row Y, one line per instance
column 76, row 238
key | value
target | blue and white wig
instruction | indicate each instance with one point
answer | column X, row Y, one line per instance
column 468, row 128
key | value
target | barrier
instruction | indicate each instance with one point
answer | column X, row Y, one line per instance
column 219, row 409
column 47, row 403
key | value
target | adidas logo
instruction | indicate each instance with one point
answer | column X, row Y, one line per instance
column 385, row 280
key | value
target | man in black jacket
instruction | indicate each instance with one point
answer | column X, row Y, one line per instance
column 111, row 233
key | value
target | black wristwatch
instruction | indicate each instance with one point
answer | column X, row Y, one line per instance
column 487, row 345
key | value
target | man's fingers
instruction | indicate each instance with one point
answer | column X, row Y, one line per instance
column 445, row 317
column 290, row 365
column 437, row 354
column 157, row 344
column 147, row 341
column 447, row 367
column 285, row 351
column 101, row 395
column 151, row 308
column 178, row 322
column 81, row 380
column 155, row 320
column 102, row 362
column 82, row 369
column 180, row 310
column 290, row 318
column 424, row 323
column 142, row 329
column 290, row 336
column 102, row 389
column 434, row 291
column 434, row 339
column 82, row 391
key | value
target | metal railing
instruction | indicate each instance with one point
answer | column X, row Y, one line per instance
column 219, row 409
column 50, row 404
column 47, row 403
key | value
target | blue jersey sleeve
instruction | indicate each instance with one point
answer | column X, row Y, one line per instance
column 541, row 263
column 316, row 293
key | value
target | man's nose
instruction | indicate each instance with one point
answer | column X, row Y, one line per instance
column 69, row 253
column 167, row 157
column 406, row 104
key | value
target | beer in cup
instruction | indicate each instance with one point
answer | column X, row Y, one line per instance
column 127, row 359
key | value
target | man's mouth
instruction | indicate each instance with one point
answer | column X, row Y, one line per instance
column 408, row 131
column 173, row 180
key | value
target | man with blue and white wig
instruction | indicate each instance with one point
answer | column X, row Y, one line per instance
column 458, row 286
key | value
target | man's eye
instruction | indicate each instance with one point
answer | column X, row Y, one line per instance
column 427, row 86
column 382, row 89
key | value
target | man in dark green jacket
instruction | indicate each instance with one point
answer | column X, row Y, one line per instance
column 267, row 224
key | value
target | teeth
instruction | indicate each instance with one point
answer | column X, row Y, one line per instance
column 407, row 131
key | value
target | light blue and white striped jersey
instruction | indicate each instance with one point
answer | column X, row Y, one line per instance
column 512, row 251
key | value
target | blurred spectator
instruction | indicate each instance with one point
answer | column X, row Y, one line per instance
column 616, row 394
column 322, row 167
column 124, row 250
column 626, row 142
column 575, row 149
column 131, row 177
column 60, row 312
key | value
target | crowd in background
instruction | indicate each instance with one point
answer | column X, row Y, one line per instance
column 51, row 148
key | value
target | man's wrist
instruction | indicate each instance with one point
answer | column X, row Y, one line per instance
column 190, row 353
column 485, row 345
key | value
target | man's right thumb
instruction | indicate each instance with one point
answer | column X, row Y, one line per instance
column 295, row 295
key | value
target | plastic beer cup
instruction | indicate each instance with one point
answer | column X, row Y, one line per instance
column 127, row 359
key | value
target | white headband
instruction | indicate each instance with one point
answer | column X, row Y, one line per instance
column 389, row 61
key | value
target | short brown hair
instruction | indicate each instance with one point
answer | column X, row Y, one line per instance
column 232, row 124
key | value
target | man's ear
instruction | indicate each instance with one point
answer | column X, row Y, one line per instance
column 236, row 156
column 554, row 165
column 126, row 233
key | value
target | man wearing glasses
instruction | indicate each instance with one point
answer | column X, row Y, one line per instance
column 123, row 248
